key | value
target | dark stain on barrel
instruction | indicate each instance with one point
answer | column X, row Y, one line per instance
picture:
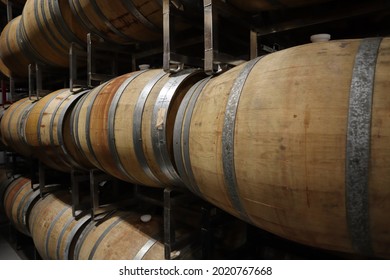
column 307, row 120
column 306, row 123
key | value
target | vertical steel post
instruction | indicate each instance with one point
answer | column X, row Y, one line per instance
column 253, row 45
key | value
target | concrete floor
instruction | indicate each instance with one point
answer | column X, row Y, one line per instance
column 8, row 242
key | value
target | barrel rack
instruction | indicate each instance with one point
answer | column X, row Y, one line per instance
column 170, row 200
column 214, row 61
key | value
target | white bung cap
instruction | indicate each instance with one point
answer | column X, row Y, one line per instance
column 144, row 66
column 320, row 38
column 146, row 218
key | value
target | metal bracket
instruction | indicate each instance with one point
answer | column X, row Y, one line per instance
column 171, row 242
column 254, row 52
column 255, row 47
column 169, row 65
column 76, row 55
column 12, row 94
column 77, row 177
column 95, row 178
column 89, row 202
column 43, row 187
column 11, row 89
column 34, row 80
column 9, row 11
column 93, row 49
column 172, row 61
column 206, row 231
column 96, row 52
column 3, row 92
column 169, row 232
column 214, row 61
column 35, row 76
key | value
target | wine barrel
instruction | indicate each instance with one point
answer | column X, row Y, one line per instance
column 4, row 70
column 296, row 143
column 121, row 21
column 19, row 199
column 47, row 29
column 4, row 183
column 2, row 110
column 13, row 126
column 11, row 52
column 122, row 237
column 53, row 228
column 48, row 131
column 125, row 126
column 3, row 176
column 264, row 5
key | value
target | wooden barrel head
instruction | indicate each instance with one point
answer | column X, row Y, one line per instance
column 18, row 200
column 11, row 51
column 48, row 130
column 13, row 126
column 53, row 228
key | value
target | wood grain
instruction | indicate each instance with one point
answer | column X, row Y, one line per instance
column 53, row 228
column 44, row 38
column 13, row 126
column 10, row 50
column 124, row 240
column 290, row 144
column 48, row 132
column 125, row 27
column 18, row 200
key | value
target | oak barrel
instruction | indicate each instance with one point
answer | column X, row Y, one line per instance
column 2, row 110
column 13, row 125
column 264, row 5
column 11, row 52
column 125, row 126
column 296, row 143
column 123, row 236
column 121, row 21
column 5, row 181
column 4, row 70
column 19, row 199
column 48, row 130
column 46, row 31
column 53, row 228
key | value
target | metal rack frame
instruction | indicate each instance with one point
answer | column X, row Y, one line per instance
column 93, row 53
column 93, row 178
column 9, row 11
column 172, row 61
column 40, row 182
column 216, row 62
column 213, row 61
column 36, row 74
column 173, row 243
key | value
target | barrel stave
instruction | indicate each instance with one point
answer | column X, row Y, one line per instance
column 48, row 134
column 122, row 237
column 268, row 144
column 11, row 51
